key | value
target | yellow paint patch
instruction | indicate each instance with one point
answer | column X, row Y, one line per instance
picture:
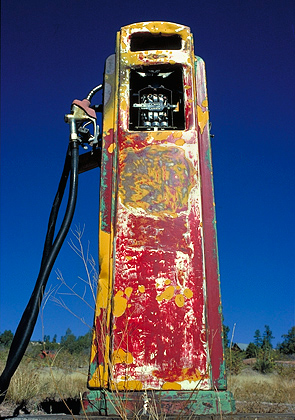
column 180, row 142
column 120, row 304
column 179, row 300
column 171, row 385
column 128, row 258
column 188, row 293
column 203, row 118
column 128, row 291
column 128, row 385
column 120, row 356
column 191, row 375
column 141, row 289
column 205, row 103
column 99, row 378
column 93, row 346
column 103, row 293
column 178, row 287
column 112, row 147
column 167, row 294
column 167, row 282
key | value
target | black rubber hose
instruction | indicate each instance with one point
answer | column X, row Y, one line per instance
column 27, row 323
column 55, row 206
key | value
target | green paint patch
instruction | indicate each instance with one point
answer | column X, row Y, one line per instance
column 168, row 403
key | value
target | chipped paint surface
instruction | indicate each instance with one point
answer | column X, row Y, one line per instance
column 159, row 241
column 214, row 315
column 100, row 350
column 151, row 310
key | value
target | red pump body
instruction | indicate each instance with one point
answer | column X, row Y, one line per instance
column 158, row 320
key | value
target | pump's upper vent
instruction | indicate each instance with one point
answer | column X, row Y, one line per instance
column 146, row 41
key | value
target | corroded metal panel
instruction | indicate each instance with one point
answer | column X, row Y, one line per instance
column 214, row 309
column 158, row 317
column 100, row 350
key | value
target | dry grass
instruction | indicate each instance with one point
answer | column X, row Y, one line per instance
column 39, row 380
column 256, row 392
column 263, row 388
column 39, row 384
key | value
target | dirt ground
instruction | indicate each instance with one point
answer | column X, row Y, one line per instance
column 11, row 410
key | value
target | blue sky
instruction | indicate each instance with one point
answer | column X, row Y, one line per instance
column 54, row 51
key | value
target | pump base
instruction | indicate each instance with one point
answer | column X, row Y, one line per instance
column 186, row 403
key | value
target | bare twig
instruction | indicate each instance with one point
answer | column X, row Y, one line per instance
column 47, row 295
column 90, row 283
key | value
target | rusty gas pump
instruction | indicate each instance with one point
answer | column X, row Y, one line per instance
column 157, row 340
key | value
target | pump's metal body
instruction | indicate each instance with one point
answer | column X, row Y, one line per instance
column 158, row 320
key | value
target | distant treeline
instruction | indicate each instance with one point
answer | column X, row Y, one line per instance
column 74, row 344
column 69, row 341
column 264, row 341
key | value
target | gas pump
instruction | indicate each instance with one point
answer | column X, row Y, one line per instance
column 158, row 322
column 157, row 342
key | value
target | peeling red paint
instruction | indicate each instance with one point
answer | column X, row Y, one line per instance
column 157, row 316
column 159, row 247
column 106, row 190
column 214, row 316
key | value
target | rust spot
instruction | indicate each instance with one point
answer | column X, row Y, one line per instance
column 179, row 375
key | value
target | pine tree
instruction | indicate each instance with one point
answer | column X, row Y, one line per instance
column 267, row 337
column 288, row 345
column 257, row 338
column 225, row 336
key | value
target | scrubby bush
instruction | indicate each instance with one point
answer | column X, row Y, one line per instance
column 234, row 361
column 265, row 360
column 251, row 351
column 6, row 338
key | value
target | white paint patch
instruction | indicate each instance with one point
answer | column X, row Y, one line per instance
column 182, row 263
column 160, row 282
column 145, row 370
column 190, row 385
